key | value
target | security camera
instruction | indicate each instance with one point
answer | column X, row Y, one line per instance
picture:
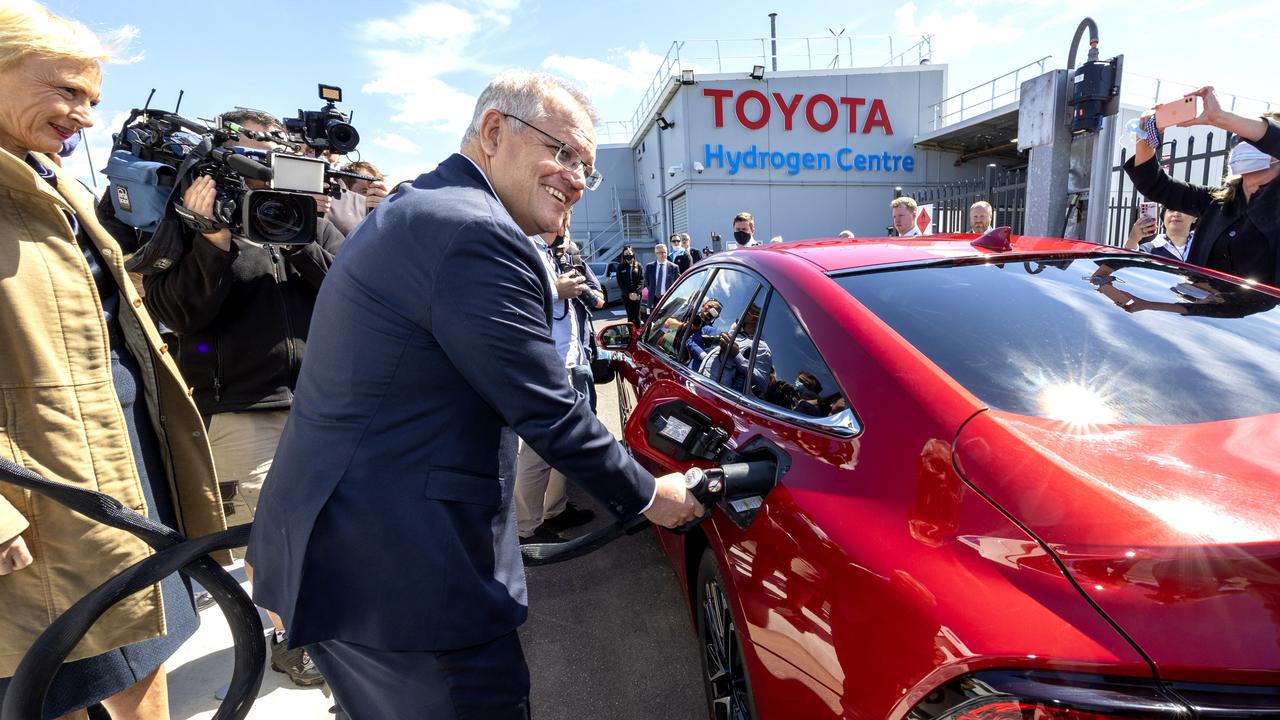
column 674, row 170
column 698, row 168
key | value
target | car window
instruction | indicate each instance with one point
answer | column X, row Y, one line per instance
column 1095, row 340
column 668, row 321
column 795, row 377
column 718, row 338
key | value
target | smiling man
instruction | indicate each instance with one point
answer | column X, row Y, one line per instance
column 385, row 533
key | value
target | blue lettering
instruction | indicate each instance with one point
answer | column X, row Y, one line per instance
column 909, row 163
column 840, row 159
column 735, row 160
column 873, row 162
column 824, row 161
column 860, row 162
column 718, row 155
column 793, row 163
column 808, row 161
column 749, row 161
column 777, row 160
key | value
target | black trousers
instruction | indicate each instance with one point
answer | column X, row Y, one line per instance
column 484, row 682
column 633, row 311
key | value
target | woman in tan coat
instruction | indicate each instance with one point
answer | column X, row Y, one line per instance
column 88, row 394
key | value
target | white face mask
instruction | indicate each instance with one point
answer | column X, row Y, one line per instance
column 1246, row 158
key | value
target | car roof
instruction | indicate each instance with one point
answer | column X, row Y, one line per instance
column 848, row 253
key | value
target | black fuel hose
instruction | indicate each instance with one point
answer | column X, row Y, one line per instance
column 25, row 696
column 731, row 481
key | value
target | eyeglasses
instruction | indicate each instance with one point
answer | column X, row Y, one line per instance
column 567, row 157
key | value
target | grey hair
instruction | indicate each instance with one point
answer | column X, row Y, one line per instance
column 524, row 94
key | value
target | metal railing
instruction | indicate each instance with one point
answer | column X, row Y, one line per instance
column 986, row 97
column 1005, row 189
column 799, row 53
column 1147, row 91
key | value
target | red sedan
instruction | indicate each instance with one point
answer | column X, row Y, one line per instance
column 1040, row 483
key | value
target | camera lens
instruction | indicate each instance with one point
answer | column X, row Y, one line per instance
column 280, row 218
column 342, row 137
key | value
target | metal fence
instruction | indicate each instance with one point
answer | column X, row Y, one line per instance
column 1200, row 167
column 1004, row 188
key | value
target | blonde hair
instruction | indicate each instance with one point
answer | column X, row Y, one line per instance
column 906, row 202
column 1231, row 185
column 27, row 29
column 982, row 204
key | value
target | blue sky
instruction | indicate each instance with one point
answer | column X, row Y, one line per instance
column 411, row 70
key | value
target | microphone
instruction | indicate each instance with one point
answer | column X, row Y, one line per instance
column 248, row 167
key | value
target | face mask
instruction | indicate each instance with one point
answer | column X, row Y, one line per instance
column 69, row 145
column 1246, row 158
column 713, row 313
column 742, row 237
column 628, row 258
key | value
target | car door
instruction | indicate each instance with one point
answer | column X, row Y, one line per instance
column 786, row 404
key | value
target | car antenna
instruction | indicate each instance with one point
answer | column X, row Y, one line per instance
column 179, row 103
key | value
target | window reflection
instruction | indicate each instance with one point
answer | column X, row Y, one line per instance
column 795, row 378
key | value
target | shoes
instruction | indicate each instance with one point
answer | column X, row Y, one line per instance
column 572, row 517
column 542, row 535
column 295, row 663
column 204, row 600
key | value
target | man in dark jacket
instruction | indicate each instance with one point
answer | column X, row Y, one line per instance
column 659, row 275
column 242, row 312
column 386, row 534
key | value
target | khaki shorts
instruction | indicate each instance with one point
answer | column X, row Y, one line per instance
column 244, row 443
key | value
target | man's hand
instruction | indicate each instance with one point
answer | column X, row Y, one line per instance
column 323, row 203
column 673, row 505
column 14, row 554
column 633, row 297
column 199, row 199
column 374, row 194
column 728, row 348
column 570, row 285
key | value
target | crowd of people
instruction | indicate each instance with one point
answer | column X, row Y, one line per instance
column 443, row 384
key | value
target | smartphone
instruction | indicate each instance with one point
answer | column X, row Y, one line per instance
column 1172, row 113
column 1148, row 210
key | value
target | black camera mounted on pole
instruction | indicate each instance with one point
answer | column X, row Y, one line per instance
column 326, row 128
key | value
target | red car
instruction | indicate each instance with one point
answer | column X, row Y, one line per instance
column 1040, row 483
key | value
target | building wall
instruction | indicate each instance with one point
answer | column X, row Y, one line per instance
column 812, row 182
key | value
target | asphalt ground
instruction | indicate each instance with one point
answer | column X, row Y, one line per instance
column 608, row 636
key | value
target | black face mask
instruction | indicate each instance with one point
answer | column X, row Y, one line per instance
column 628, row 258
column 742, row 237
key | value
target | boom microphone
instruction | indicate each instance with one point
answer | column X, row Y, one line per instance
column 249, row 167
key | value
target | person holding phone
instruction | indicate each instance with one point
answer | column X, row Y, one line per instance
column 1172, row 243
column 1238, row 227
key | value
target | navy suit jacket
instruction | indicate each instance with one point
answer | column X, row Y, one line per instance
column 651, row 281
column 386, row 519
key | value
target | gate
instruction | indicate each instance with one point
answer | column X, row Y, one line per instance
column 1004, row 188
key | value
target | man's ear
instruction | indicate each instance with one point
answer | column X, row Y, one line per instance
column 492, row 131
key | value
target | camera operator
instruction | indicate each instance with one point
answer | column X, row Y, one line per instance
column 242, row 311
column 542, row 506
column 358, row 197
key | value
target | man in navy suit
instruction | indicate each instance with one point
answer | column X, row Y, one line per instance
column 659, row 275
column 386, row 533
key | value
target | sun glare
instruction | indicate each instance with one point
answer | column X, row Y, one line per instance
column 1075, row 404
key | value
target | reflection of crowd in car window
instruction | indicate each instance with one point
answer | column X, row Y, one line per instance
column 729, row 360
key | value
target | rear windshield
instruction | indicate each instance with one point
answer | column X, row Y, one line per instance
column 1090, row 340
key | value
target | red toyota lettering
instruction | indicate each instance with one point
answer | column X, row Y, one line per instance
column 788, row 109
column 740, row 109
column 719, row 96
column 877, row 116
column 853, row 104
column 832, row 113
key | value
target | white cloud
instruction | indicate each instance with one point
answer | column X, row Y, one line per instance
column 396, row 143
column 957, row 35
column 417, row 49
column 625, row 71
column 118, row 42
